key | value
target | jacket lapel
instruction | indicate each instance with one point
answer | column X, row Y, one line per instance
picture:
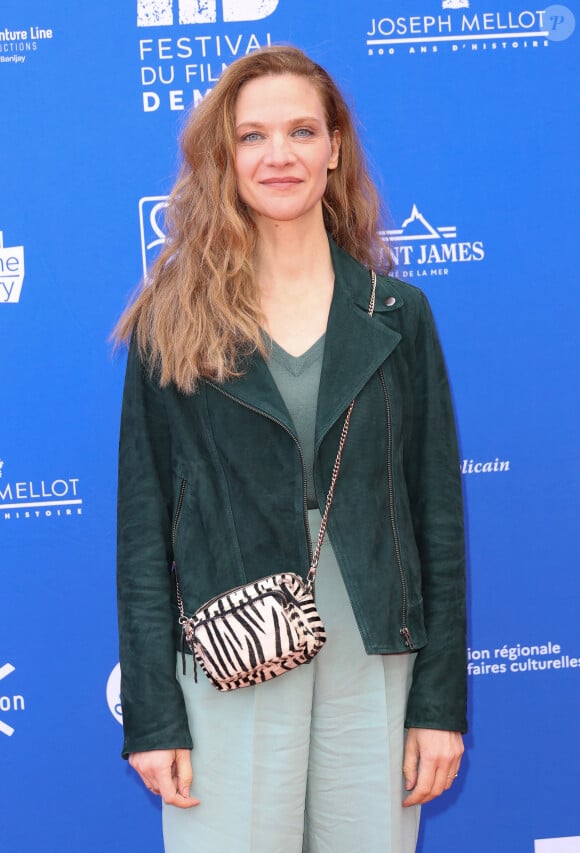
column 355, row 346
column 356, row 343
column 256, row 388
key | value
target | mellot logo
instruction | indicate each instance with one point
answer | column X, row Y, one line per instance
column 52, row 497
column 458, row 28
column 161, row 13
column 11, row 271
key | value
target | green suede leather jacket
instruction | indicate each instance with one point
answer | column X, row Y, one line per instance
column 216, row 482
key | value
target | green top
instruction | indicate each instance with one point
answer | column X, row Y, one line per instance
column 298, row 380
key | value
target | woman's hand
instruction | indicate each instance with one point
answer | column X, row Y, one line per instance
column 166, row 772
column 431, row 763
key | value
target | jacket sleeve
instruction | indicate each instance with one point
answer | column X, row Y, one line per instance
column 438, row 693
column 154, row 714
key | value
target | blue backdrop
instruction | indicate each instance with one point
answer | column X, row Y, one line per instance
column 469, row 113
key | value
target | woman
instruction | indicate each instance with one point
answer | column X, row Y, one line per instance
column 248, row 343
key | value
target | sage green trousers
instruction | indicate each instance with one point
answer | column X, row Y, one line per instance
column 309, row 762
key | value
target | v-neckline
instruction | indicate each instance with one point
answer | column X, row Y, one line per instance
column 296, row 364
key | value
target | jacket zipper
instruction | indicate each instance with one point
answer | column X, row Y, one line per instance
column 296, row 442
column 180, row 500
column 175, row 525
column 404, row 631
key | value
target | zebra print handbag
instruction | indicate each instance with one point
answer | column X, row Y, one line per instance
column 261, row 630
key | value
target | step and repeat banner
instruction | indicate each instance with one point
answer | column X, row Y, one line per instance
column 469, row 112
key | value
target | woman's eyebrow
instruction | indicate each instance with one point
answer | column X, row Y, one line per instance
column 296, row 120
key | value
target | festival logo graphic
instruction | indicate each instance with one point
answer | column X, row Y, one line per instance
column 457, row 28
column 157, row 13
column 9, row 703
column 57, row 497
column 180, row 66
column 113, row 692
column 421, row 249
column 11, row 271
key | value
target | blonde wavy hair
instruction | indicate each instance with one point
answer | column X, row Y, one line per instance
column 197, row 313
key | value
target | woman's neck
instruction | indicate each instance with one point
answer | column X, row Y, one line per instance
column 291, row 260
column 295, row 278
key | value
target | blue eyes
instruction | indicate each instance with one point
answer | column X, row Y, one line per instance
column 257, row 136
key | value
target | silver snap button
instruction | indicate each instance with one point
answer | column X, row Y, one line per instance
column 390, row 301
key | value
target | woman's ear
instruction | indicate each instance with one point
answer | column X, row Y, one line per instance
column 335, row 140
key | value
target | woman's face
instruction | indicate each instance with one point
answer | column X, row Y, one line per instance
column 283, row 148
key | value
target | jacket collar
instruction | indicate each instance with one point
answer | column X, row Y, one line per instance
column 356, row 345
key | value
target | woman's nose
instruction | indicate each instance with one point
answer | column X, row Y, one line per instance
column 279, row 150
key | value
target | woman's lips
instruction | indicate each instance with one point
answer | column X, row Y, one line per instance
column 281, row 181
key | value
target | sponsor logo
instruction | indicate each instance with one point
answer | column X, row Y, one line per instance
column 151, row 227
column 490, row 466
column 518, row 658
column 16, row 45
column 113, row 692
column 53, row 497
column 9, row 703
column 570, row 844
column 457, row 28
column 421, row 249
column 179, row 68
column 11, row 271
